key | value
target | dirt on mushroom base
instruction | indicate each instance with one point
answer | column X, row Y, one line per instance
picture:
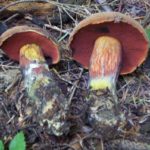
column 133, row 92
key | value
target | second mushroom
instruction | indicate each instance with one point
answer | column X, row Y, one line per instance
column 108, row 44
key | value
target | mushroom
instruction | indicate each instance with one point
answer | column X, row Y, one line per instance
column 108, row 44
column 29, row 45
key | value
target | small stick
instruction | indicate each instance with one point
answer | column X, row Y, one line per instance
column 63, row 79
column 60, row 18
column 69, row 15
column 104, row 6
column 11, row 85
column 146, row 19
column 61, row 38
column 56, row 28
column 10, row 119
column 11, row 17
column 75, row 86
column 50, row 26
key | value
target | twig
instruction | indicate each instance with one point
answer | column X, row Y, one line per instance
column 61, row 38
column 60, row 18
column 88, row 12
column 11, row 85
column 69, row 15
column 63, row 79
column 104, row 5
column 50, row 26
column 11, row 17
column 146, row 19
column 10, row 119
column 56, row 28
column 74, row 87
column 7, row 66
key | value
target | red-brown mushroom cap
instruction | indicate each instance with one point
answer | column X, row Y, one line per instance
column 14, row 38
column 129, row 32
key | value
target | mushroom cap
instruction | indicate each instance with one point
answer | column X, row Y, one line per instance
column 129, row 32
column 14, row 38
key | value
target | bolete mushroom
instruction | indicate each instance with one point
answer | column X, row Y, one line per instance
column 29, row 45
column 108, row 44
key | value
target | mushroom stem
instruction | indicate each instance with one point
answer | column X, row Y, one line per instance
column 103, row 71
column 33, row 65
column 50, row 104
column 105, row 65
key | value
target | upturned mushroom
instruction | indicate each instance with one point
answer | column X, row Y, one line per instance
column 29, row 45
column 108, row 44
